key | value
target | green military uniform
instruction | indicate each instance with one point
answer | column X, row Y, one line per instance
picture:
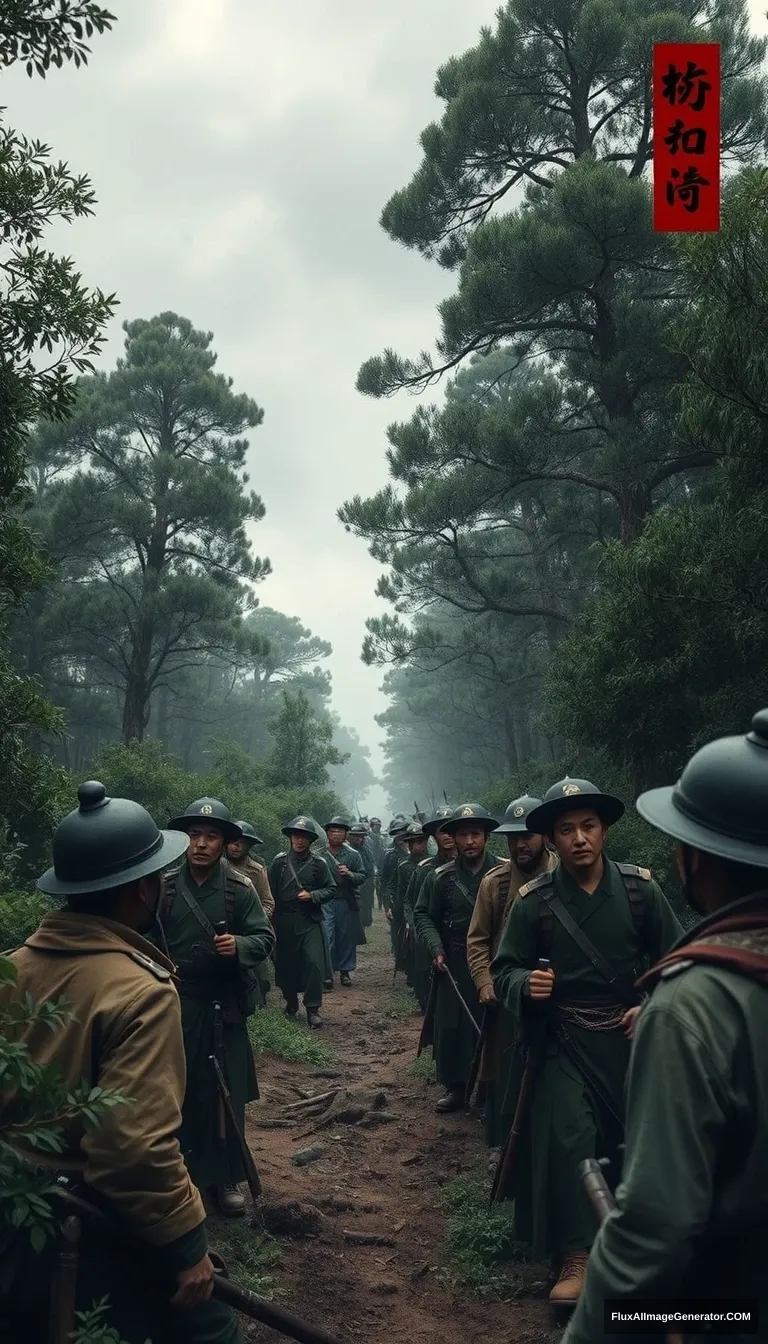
column 404, row 927
column 300, row 963
column 256, row 872
column 442, row 916
column 691, row 1218
column 204, row 979
column 388, row 877
column 341, row 916
column 359, row 839
column 422, row 961
column 577, row 1109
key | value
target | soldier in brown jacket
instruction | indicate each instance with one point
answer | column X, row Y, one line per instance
column 528, row 856
column 123, row 1033
column 239, row 856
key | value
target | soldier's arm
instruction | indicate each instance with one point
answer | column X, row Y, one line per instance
column 261, row 883
column 517, row 954
column 678, row 1111
column 388, row 871
column 255, row 937
column 410, row 898
column 133, row 1157
column 479, row 937
column 326, row 888
column 355, row 865
column 664, row 928
column 424, row 918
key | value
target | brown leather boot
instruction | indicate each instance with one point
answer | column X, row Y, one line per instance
column 570, row 1282
column 231, row 1201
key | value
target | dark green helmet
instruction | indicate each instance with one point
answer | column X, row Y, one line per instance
column 341, row 822
column 210, row 812
column 415, row 832
column 397, row 825
column 302, row 826
column 719, row 802
column 468, row 812
column 249, row 834
column 358, row 829
column 516, row 816
column 375, row 821
column 437, row 820
column 573, row 795
column 105, row 843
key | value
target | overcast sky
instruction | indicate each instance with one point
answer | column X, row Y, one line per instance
column 241, row 152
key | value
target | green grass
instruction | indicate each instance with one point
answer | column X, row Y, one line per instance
column 274, row 1034
column 250, row 1255
column 398, row 1002
column 480, row 1251
column 423, row 1067
column 377, row 937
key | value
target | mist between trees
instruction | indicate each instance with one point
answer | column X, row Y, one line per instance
column 574, row 537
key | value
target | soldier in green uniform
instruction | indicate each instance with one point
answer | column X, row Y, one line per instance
column 528, row 856
column 598, row 923
column 219, row 937
column 443, row 912
column 446, row 850
column 239, row 856
column 301, row 885
column 122, row 1033
column 691, row 1218
column 403, row 926
column 388, row 875
column 378, row 850
column 358, row 838
column 342, row 915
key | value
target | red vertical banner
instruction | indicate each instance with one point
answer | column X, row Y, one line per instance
column 686, row 137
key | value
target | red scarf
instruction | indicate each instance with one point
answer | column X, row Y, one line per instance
column 737, row 951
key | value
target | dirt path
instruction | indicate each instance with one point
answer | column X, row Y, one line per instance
column 382, row 1180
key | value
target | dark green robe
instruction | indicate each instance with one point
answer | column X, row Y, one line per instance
column 572, row 1116
column 388, row 887
column 442, row 919
column 302, row 961
column 205, row 978
column 422, row 961
column 367, row 889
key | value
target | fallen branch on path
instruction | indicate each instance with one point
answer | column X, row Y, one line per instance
column 367, row 1239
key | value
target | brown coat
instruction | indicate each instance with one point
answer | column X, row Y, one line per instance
column 257, row 874
column 484, row 936
column 126, row 1037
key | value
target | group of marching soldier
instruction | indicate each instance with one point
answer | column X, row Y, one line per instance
column 601, row 1038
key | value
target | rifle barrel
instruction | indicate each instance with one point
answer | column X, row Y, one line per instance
column 461, row 998
column 243, row 1300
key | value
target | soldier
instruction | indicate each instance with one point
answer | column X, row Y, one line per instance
column 597, row 922
column 358, row 838
column 301, row 884
column 378, row 850
column 123, row 1034
column 691, row 1219
column 528, row 857
column 388, row 874
column 342, row 914
column 404, row 930
column 446, row 850
column 220, row 938
column 443, row 911
column 239, row 856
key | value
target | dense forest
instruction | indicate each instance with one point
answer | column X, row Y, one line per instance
column 572, row 539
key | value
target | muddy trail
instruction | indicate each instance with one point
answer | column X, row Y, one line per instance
column 376, row 1177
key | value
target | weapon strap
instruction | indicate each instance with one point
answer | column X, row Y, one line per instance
column 181, row 887
column 457, row 882
column 622, row 991
column 193, row 906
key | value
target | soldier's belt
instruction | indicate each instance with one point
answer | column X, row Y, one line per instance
column 595, row 1014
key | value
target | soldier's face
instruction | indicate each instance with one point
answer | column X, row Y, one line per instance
column 525, row 850
column 299, row 843
column 206, row 846
column 470, row 841
column 376, row 827
column 445, row 842
column 336, row 836
column 236, row 850
column 579, row 838
column 418, row 847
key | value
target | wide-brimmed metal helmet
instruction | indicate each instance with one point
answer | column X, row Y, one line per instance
column 397, row 824
column 358, row 829
column 516, row 816
column 106, row 843
column 249, row 834
column 718, row 805
column 573, row 795
column 303, row 825
column 340, row 822
column 415, row 831
column 467, row 814
column 209, row 812
column 437, row 820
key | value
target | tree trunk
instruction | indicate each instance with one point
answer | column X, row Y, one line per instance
column 137, row 691
column 510, row 742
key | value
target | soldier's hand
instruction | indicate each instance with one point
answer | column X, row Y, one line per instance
column 225, row 944
column 305, row 896
column 343, row 869
column 487, row 995
column 541, row 984
column 195, row 1285
column 628, row 1021
column 439, row 961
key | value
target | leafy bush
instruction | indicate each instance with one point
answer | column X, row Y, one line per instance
column 20, row 914
column 480, row 1238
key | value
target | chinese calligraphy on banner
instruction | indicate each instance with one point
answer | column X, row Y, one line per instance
column 686, row 137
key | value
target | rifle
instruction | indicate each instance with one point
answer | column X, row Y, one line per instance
column 218, row 1050
column 445, row 968
column 485, row 1027
column 62, row 1321
column 225, row 1097
column 425, row 1036
column 533, row 1061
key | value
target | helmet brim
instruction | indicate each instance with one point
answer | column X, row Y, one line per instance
column 227, row 828
column 299, row 830
column 657, row 807
column 514, row 828
column 542, row 819
column 173, row 846
column 487, row 824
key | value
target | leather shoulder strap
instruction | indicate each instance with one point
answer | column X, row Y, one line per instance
column 633, row 877
column 159, row 972
column 603, row 968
